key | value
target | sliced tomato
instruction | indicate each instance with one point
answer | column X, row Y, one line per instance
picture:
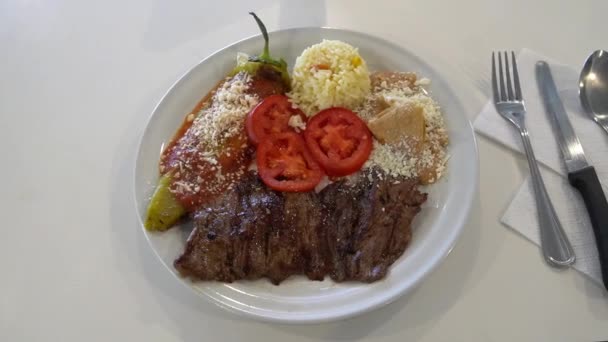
column 338, row 140
column 271, row 116
column 284, row 163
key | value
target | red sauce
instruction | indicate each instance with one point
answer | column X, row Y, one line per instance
column 183, row 128
column 208, row 180
column 196, row 180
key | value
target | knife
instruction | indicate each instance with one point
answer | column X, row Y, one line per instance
column 581, row 175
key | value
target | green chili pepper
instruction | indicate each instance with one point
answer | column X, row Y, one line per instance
column 164, row 210
column 252, row 65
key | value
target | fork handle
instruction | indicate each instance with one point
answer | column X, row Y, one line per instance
column 554, row 243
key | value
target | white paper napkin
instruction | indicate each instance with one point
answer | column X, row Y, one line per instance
column 521, row 213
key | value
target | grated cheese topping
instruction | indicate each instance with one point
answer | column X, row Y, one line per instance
column 213, row 133
column 396, row 160
column 296, row 122
column 225, row 117
column 401, row 159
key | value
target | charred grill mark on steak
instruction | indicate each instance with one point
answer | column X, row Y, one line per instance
column 349, row 232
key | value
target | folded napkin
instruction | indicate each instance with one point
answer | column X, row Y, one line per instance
column 521, row 214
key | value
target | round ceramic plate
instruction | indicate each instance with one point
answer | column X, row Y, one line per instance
column 299, row 300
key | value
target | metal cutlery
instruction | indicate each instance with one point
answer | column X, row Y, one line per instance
column 581, row 175
column 509, row 103
column 593, row 87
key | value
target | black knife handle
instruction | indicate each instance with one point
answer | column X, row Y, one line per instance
column 587, row 183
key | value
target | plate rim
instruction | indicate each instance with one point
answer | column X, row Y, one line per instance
column 433, row 263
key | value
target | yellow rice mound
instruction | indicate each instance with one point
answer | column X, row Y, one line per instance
column 329, row 74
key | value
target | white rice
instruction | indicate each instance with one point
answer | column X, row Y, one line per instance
column 329, row 74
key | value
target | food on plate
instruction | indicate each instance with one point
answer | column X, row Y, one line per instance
column 164, row 209
column 329, row 74
column 316, row 174
column 399, row 122
column 210, row 151
column 213, row 152
column 382, row 80
column 345, row 232
column 407, row 155
column 285, row 164
column 273, row 115
column 252, row 65
column 338, row 140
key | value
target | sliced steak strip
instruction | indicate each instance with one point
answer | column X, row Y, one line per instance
column 209, row 250
column 347, row 231
column 302, row 213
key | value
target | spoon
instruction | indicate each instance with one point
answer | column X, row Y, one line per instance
column 593, row 87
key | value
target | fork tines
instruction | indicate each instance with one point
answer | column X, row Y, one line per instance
column 507, row 93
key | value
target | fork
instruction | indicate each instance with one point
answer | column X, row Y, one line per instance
column 510, row 105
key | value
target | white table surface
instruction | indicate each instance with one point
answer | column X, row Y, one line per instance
column 78, row 79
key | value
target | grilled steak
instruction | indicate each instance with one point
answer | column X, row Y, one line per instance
column 347, row 231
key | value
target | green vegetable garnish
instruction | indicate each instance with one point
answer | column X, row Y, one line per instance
column 265, row 56
column 164, row 210
column 253, row 63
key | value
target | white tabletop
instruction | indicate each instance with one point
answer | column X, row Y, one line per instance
column 78, row 81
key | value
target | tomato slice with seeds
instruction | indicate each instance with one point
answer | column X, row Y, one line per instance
column 271, row 116
column 338, row 140
column 284, row 163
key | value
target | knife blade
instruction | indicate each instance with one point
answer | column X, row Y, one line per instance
column 581, row 175
column 572, row 150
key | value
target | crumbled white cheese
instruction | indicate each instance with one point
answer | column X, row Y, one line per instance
column 220, row 119
column 396, row 161
column 401, row 159
column 297, row 123
column 225, row 117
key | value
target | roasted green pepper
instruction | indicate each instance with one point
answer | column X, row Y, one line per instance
column 164, row 209
column 253, row 63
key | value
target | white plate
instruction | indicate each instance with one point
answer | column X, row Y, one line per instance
column 299, row 300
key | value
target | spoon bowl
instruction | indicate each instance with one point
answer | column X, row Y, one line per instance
column 593, row 87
